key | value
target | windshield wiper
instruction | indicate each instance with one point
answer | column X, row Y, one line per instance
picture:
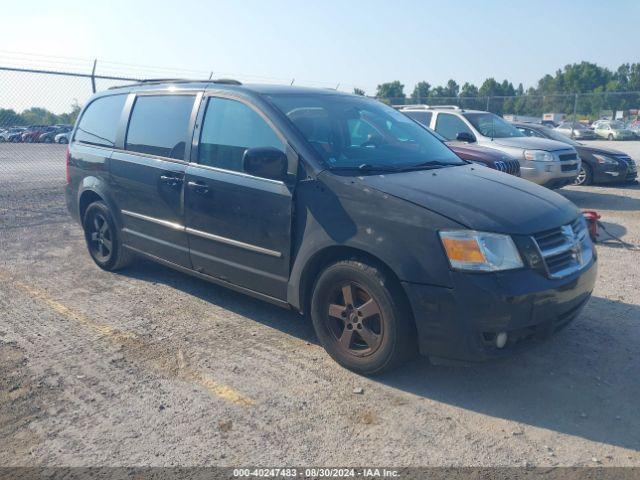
column 367, row 167
column 431, row 164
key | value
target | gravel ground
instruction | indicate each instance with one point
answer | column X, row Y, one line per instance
column 152, row 367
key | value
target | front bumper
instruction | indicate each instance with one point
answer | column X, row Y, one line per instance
column 461, row 323
column 624, row 171
column 550, row 174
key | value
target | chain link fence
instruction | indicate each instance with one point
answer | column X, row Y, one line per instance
column 32, row 160
column 584, row 107
column 36, row 106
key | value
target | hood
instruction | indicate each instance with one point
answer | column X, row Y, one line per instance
column 531, row 143
column 600, row 150
column 479, row 198
column 476, row 152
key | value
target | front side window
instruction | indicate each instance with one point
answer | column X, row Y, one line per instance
column 159, row 124
column 531, row 133
column 490, row 125
column 230, row 128
column 356, row 133
column 449, row 126
column 99, row 122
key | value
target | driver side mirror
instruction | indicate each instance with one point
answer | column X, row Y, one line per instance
column 265, row 162
column 465, row 137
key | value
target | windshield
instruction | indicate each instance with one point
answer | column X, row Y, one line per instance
column 351, row 132
column 555, row 135
column 618, row 125
column 575, row 126
column 490, row 125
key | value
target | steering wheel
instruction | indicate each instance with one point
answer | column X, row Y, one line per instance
column 371, row 141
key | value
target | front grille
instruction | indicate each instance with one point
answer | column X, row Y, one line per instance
column 630, row 163
column 565, row 249
column 512, row 167
column 569, row 167
column 564, row 157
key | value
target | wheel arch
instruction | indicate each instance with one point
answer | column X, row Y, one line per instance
column 92, row 189
column 332, row 254
column 87, row 198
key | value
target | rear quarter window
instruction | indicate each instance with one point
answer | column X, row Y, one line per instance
column 99, row 122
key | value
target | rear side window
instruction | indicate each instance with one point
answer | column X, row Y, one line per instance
column 158, row 125
column 99, row 122
column 423, row 117
column 449, row 126
column 229, row 129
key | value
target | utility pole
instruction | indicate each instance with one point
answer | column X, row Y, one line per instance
column 93, row 75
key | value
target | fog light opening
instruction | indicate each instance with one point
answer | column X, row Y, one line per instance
column 501, row 339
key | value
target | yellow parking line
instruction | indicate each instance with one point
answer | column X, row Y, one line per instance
column 66, row 312
column 217, row 389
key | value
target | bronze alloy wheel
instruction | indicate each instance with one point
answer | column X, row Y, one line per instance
column 355, row 320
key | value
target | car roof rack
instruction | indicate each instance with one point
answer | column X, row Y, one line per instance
column 411, row 107
column 446, row 107
column 153, row 81
column 427, row 107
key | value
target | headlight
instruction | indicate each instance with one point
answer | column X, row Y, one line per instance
column 480, row 251
column 538, row 156
column 604, row 160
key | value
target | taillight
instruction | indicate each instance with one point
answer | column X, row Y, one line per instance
column 68, row 160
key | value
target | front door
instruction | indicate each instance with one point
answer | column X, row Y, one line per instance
column 238, row 225
column 147, row 178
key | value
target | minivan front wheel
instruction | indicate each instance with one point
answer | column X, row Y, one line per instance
column 103, row 238
column 361, row 318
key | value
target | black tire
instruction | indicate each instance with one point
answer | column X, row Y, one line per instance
column 103, row 238
column 585, row 175
column 48, row 139
column 610, row 137
column 63, row 140
column 362, row 341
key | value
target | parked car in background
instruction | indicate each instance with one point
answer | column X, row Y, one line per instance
column 634, row 126
column 545, row 162
column 32, row 133
column 49, row 135
column 599, row 165
column 612, row 130
column 62, row 137
column 576, row 130
column 488, row 157
column 11, row 134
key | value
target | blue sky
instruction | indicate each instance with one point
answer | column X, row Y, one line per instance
column 359, row 43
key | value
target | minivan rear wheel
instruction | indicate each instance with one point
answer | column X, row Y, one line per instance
column 103, row 238
column 361, row 317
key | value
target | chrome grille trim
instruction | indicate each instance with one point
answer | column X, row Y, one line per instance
column 561, row 248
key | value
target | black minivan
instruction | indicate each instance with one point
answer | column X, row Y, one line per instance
column 334, row 205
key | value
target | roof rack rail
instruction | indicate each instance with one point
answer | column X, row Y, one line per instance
column 152, row 81
column 415, row 106
column 445, row 107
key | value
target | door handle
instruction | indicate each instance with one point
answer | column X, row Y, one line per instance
column 171, row 181
column 199, row 187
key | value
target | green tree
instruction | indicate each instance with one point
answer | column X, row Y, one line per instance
column 358, row 91
column 391, row 93
column 452, row 88
column 420, row 92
